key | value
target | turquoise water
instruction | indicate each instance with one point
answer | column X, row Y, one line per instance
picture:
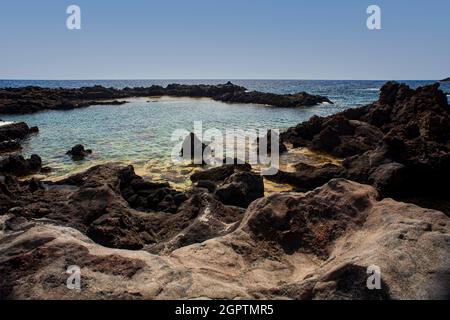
column 139, row 132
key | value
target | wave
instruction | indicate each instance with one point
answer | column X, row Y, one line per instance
column 5, row 123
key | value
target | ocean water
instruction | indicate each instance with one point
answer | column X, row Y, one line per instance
column 139, row 132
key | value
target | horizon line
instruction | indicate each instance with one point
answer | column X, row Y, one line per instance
column 211, row 79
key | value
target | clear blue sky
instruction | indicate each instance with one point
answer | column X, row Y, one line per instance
column 200, row 39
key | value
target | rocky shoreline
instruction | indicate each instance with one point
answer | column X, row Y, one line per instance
column 400, row 144
column 223, row 239
column 33, row 99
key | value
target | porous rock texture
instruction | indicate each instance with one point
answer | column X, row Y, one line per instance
column 400, row 144
column 314, row 245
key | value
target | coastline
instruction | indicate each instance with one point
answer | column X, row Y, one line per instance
column 33, row 99
column 223, row 230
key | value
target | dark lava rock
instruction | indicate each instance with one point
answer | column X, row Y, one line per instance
column 78, row 152
column 335, row 135
column 34, row 129
column 400, row 143
column 12, row 134
column 9, row 146
column 241, row 189
column 147, row 195
column 206, row 184
column 307, row 177
column 98, row 203
column 34, row 99
column 218, row 174
column 193, row 149
column 18, row 130
column 17, row 165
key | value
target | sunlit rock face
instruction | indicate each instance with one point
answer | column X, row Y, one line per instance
column 315, row 245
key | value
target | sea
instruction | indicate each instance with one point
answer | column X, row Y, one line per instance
column 140, row 131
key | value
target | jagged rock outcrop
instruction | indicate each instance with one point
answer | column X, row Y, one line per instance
column 316, row 245
column 218, row 174
column 33, row 99
column 11, row 135
column 400, row 143
column 17, row 165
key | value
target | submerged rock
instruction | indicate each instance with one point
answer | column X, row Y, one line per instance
column 307, row 177
column 218, row 174
column 12, row 134
column 34, row 99
column 240, row 189
column 78, row 152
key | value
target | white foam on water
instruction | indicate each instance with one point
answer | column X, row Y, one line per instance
column 5, row 123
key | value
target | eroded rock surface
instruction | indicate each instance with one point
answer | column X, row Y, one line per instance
column 400, row 143
column 314, row 245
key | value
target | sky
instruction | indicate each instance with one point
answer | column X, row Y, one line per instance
column 233, row 39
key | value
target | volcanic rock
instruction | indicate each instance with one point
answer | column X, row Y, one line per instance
column 240, row 189
column 78, row 152
column 317, row 245
column 34, row 99
column 406, row 132
column 17, row 165
column 12, row 134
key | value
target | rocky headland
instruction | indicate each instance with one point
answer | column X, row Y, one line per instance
column 400, row 144
column 34, row 99
column 222, row 238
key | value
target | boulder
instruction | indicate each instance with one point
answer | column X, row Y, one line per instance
column 217, row 174
column 17, row 130
column 78, row 152
column 240, row 189
column 17, row 165
column 11, row 135
column 400, row 143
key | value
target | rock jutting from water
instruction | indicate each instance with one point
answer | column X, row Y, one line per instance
column 400, row 144
column 11, row 135
column 34, row 99
column 223, row 239
column 78, row 152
